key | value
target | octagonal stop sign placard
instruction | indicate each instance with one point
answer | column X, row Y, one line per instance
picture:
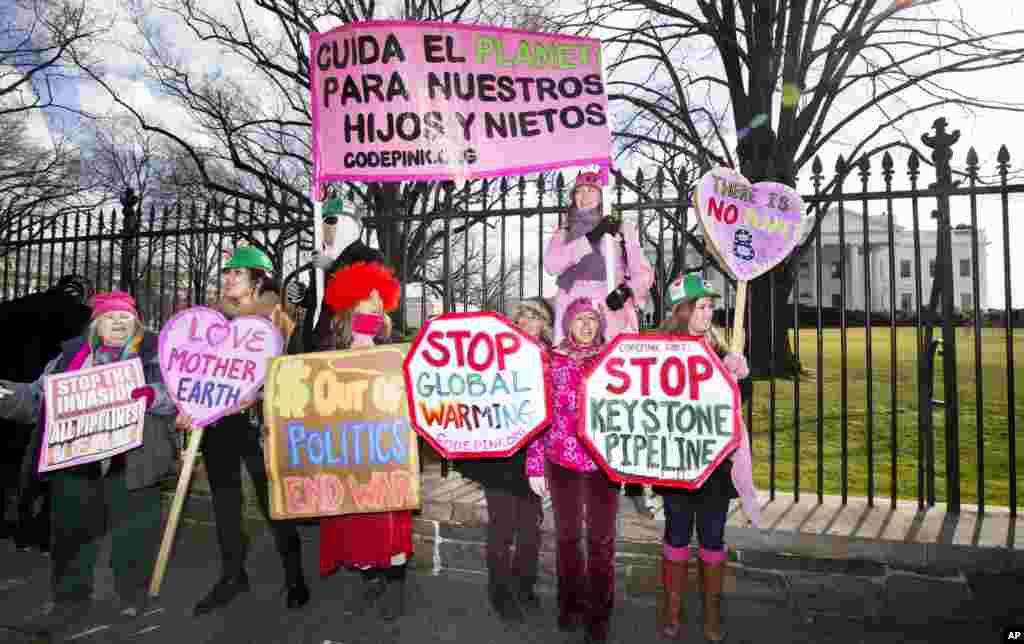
column 660, row 409
column 477, row 385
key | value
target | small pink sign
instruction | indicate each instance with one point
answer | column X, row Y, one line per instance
column 751, row 227
column 91, row 415
column 211, row 364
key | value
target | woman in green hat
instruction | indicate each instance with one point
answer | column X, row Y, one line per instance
column 247, row 288
column 692, row 300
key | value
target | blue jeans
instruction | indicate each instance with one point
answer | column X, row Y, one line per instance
column 710, row 515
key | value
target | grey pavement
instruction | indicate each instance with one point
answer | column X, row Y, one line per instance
column 805, row 606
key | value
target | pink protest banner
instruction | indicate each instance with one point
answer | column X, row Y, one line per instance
column 90, row 414
column 211, row 364
column 400, row 101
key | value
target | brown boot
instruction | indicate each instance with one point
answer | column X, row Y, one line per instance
column 674, row 576
column 712, row 576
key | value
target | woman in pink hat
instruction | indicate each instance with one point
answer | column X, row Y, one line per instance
column 578, row 257
column 581, row 253
column 119, row 493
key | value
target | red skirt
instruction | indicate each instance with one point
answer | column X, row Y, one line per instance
column 364, row 540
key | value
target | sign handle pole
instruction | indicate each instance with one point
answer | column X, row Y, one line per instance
column 195, row 439
column 738, row 339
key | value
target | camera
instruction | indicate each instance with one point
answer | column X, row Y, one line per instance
column 617, row 298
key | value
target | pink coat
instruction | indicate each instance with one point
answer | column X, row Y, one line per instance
column 559, row 444
column 559, row 256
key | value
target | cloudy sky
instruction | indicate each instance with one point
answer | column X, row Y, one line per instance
column 985, row 131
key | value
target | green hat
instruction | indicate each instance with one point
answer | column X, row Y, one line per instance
column 690, row 286
column 250, row 257
column 337, row 207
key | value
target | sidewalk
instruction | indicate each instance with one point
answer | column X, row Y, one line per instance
column 777, row 593
column 452, row 606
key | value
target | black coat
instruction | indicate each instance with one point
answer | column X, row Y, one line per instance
column 505, row 474
column 35, row 326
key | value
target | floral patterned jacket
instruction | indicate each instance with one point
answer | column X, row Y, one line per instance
column 559, row 444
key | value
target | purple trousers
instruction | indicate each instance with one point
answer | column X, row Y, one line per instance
column 513, row 519
column 586, row 583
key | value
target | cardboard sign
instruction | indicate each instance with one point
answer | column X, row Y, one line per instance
column 477, row 385
column 660, row 410
column 90, row 414
column 749, row 228
column 211, row 364
column 339, row 440
column 426, row 101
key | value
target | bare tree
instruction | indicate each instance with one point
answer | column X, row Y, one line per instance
column 792, row 76
column 263, row 138
column 476, row 280
column 40, row 177
column 36, row 38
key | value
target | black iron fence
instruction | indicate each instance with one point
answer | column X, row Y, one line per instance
column 894, row 275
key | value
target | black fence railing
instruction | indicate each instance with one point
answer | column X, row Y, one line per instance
column 899, row 305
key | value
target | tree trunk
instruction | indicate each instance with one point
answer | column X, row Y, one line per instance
column 768, row 326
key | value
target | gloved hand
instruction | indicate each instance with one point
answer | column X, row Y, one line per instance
column 146, row 392
column 605, row 227
column 736, row 363
column 539, row 485
column 295, row 292
column 321, row 261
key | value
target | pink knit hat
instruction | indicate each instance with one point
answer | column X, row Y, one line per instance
column 103, row 303
column 592, row 179
column 583, row 305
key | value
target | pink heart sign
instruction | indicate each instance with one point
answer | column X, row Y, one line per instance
column 211, row 364
column 750, row 227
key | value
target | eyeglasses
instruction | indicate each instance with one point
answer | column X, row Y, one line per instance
column 330, row 220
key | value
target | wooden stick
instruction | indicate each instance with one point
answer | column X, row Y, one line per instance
column 195, row 438
column 738, row 339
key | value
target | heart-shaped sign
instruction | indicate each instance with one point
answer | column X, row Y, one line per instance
column 211, row 364
column 749, row 227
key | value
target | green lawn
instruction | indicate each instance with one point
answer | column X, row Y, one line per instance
column 994, row 438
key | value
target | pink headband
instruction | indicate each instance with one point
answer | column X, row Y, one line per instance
column 592, row 179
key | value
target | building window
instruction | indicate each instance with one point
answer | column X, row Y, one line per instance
column 904, row 268
column 837, row 300
column 835, row 270
column 906, row 301
column 966, row 302
column 931, row 268
column 965, row 268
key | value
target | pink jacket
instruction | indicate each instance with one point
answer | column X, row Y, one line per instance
column 559, row 256
column 559, row 443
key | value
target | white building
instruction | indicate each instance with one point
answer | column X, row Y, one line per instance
column 877, row 250
column 852, row 253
